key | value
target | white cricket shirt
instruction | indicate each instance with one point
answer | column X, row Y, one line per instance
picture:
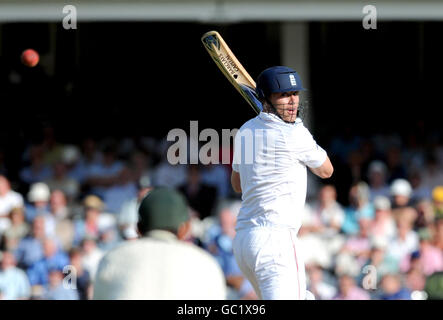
column 271, row 157
column 159, row 267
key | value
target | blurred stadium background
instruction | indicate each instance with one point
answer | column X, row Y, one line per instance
column 92, row 116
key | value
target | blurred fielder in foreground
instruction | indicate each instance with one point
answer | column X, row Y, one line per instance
column 273, row 187
column 160, row 265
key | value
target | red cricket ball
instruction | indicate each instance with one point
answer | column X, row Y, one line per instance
column 30, row 58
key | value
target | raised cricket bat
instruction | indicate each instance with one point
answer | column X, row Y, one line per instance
column 231, row 68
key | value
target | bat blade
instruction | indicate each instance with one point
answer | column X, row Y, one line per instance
column 231, row 68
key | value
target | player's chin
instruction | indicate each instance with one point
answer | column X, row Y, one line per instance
column 290, row 119
column 291, row 114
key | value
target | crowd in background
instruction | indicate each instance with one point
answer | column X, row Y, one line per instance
column 373, row 231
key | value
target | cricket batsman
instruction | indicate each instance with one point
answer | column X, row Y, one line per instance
column 273, row 183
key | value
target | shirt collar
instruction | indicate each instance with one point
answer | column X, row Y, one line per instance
column 265, row 116
column 161, row 235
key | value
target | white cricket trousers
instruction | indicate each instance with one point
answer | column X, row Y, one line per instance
column 271, row 260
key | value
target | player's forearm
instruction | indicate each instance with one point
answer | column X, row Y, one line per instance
column 235, row 182
column 325, row 170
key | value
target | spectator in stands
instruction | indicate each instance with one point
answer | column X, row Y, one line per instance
column 70, row 157
column 91, row 256
column 141, row 166
column 109, row 238
column 128, row 217
column 378, row 258
column 360, row 207
column 348, row 290
column 61, row 181
column 38, row 170
column 355, row 163
column 432, row 175
column 125, row 188
column 396, row 169
column 415, row 280
column 427, row 259
column 344, row 143
column 425, row 214
column 81, row 164
column 408, row 214
column 82, row 277
column 393, row 289
column 201, row 197
column 437, row 240
column 56, row 289
column 95, row 220
column 167, row 175
column 383, row 227
column 220, row 246
column 217, row 176
column 401, row 192
column 406, row 240
column 52, row 149
column 321, row 289
column 17, row 230
column 57, row 222
column 437, row 200
column 30, row 248
column 14, row 283
column 38, row 197
column 9, row 199
column 359, row 246
column 377, row 172
column 52, row 258
column 317, row 247
column 419, row 190
column 104, row 174
column 327, row 211
column 58, row 204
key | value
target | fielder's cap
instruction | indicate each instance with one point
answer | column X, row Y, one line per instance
column 382, row 203
column 434, row 286
column 437, row 194
column 93, row 202
column 162, row 208
column 401, row 187
column 39, row 192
